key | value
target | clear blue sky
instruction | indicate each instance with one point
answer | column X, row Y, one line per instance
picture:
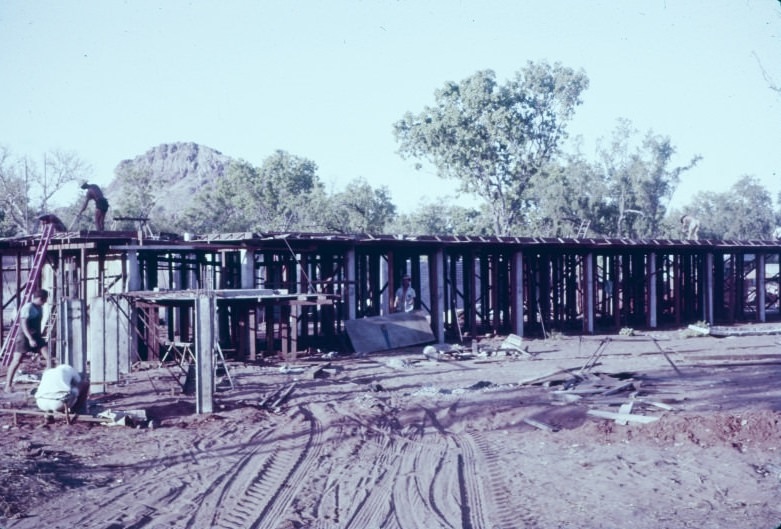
column 327, row 79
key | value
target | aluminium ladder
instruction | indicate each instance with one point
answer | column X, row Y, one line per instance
column 583, row 229
column 27, row 293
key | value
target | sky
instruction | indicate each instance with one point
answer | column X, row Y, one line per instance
column 109, row 80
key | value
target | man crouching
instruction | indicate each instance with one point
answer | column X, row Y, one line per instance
column 63, row 389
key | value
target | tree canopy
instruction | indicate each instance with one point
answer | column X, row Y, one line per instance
column 26, row 190
column 494, row 138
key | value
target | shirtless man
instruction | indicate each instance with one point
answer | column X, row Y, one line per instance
column 101, row 205
column 690, row 227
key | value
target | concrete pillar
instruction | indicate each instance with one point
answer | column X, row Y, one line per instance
column 72, row 333
column 760, row 287
column 133, row 271
column 384, row 292
column 651, row 286
column 204, row 347
column 104, row 343
column 349, row 278
column 437, row 294
column 247, row 264
column 516, row 303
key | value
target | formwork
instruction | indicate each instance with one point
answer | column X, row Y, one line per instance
column 468, row 286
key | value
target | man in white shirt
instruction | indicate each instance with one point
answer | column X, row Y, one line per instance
column 62, row 387
column 405, row 296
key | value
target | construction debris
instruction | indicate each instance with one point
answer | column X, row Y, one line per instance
column 134, row 418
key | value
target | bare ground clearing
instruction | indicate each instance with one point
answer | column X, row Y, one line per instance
column 397, row 440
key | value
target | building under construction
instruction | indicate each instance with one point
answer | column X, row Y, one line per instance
column 118, row 297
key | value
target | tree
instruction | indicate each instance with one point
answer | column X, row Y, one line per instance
column 439, row 217
column 744, row 212
column 358, row 209
column 138, row 198
column 27, row 192
column 273, row 197
column 494, row 138
column 640, row 180
column 568, row 193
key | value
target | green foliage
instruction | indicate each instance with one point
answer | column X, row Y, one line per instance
column 273, row 197
column 641, row 180
column 744, row 212
column 625, row 192
column 357, row 209
column 440, row 217
column 494, row 138
column 138, row 196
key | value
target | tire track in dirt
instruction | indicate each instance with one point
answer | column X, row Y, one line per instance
column 477, row 503
column 374, row 508
column 414, row 490
column 164, row 489
column 260, row 487
column 505, row 511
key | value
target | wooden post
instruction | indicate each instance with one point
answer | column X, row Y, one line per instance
column 709, row 285
column 588, row 292
column 349, row 279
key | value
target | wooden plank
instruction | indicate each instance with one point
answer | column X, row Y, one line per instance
column 551, row 374
column 629, row 417
column 56, row 414
column 539, row 424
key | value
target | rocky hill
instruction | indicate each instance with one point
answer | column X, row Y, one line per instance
column 177, row 170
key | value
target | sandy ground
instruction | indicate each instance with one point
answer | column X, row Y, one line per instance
column 398, row 440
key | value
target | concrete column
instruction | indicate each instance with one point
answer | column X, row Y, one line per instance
column 588, row 290
column 134, row 281
column 72, row 333
column 105, row 344
column 205, row 340
column 384, row 293
column 516, row 303
column 247, row 263
column 437, row 293
column 760, row 287
column 651, row 286
column 349, row 278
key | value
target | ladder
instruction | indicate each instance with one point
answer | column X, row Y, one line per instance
column 27, row 293
column 583, row 229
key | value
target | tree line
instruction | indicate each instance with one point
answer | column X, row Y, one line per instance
column 502, row 143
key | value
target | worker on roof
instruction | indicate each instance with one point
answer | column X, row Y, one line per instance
column 101, row 205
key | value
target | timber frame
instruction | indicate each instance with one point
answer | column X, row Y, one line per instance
column 469, row 286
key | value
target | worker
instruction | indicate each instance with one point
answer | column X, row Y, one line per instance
column 690, row 227
column 63, row 389
column 29, row 339
column 405, row 296
column 101, row 205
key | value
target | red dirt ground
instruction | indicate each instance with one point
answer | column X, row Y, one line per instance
column 398, row 440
